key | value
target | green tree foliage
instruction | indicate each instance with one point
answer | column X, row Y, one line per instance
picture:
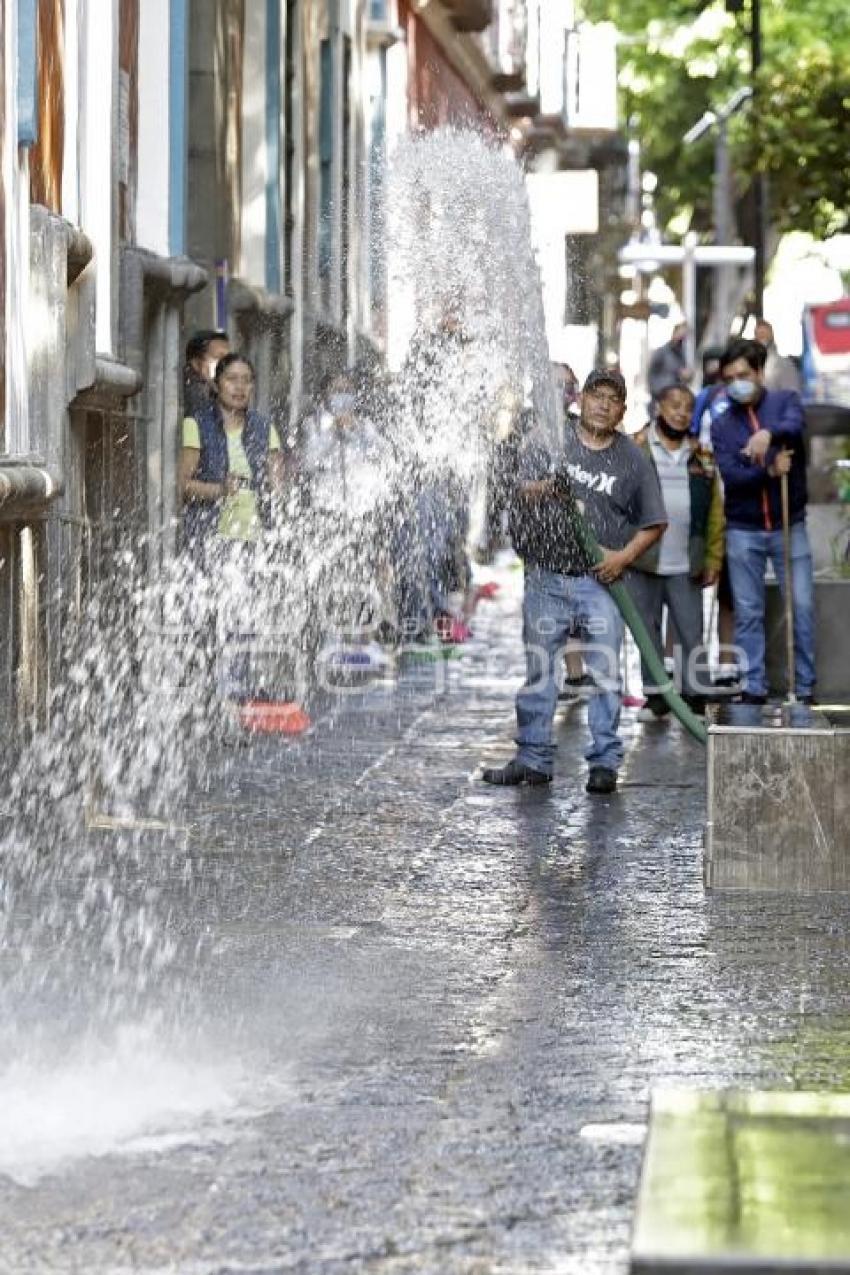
column 680, row 58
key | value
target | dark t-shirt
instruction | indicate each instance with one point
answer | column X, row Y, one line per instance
column 615, row 488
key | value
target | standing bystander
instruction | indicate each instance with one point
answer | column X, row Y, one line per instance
column 687, row 558
column 565, row 594
column 669, row 363
column 758, row 435
column 780, row 372
column 203, row 351
column 230, row 471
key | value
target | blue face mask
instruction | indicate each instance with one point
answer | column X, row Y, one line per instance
column 742, row 390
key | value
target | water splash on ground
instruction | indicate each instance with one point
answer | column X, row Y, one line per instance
column 116, row 1096
column 95, row 855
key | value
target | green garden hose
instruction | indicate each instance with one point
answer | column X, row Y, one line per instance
column 632, row 617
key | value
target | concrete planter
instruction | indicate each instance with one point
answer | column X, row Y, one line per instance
column 778, row 800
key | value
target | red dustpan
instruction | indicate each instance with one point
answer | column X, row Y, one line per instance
column 263, row 718
column 486, row 592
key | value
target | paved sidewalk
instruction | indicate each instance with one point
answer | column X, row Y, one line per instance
column 448, row 1003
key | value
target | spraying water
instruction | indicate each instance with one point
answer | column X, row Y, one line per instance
column 99, row 859
column 461, row 264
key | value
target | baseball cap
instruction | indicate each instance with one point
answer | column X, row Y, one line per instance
column 606, row 376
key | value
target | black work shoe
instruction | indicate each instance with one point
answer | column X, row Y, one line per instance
column 601, row 779
column 514, row 773
column 655, row 708
column 747, row 697
column 584, row 685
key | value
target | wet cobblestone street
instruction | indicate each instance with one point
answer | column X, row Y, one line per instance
column 445, row 1006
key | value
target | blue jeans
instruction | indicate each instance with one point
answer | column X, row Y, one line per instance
column 683, row 599
column 748, row 553
column 556, row 608
column 444, row 525
column 429, row 557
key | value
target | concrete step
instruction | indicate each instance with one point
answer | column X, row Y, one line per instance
column 755, row 1183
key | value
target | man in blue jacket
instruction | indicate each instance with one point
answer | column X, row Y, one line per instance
column 758, row 435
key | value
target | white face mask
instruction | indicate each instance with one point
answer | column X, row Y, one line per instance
column 342, row 403
column 212, row 364
column 742, row 389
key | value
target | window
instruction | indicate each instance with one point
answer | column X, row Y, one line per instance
column 345, row 201
column 273, row 127
column 46, row 155
column 27, row 73
column 128, row 117
column 289, row 91
column 377, row 166
column 326, row 139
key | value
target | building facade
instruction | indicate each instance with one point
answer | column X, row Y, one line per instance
column 169, row 165
column 577, row 161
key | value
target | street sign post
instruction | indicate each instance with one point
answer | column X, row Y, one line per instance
column 688, row 255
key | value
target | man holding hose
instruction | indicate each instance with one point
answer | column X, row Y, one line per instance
column 609, row 480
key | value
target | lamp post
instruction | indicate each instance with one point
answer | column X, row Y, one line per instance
column 723, row 202
column 760, row 182
column 760, row 189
